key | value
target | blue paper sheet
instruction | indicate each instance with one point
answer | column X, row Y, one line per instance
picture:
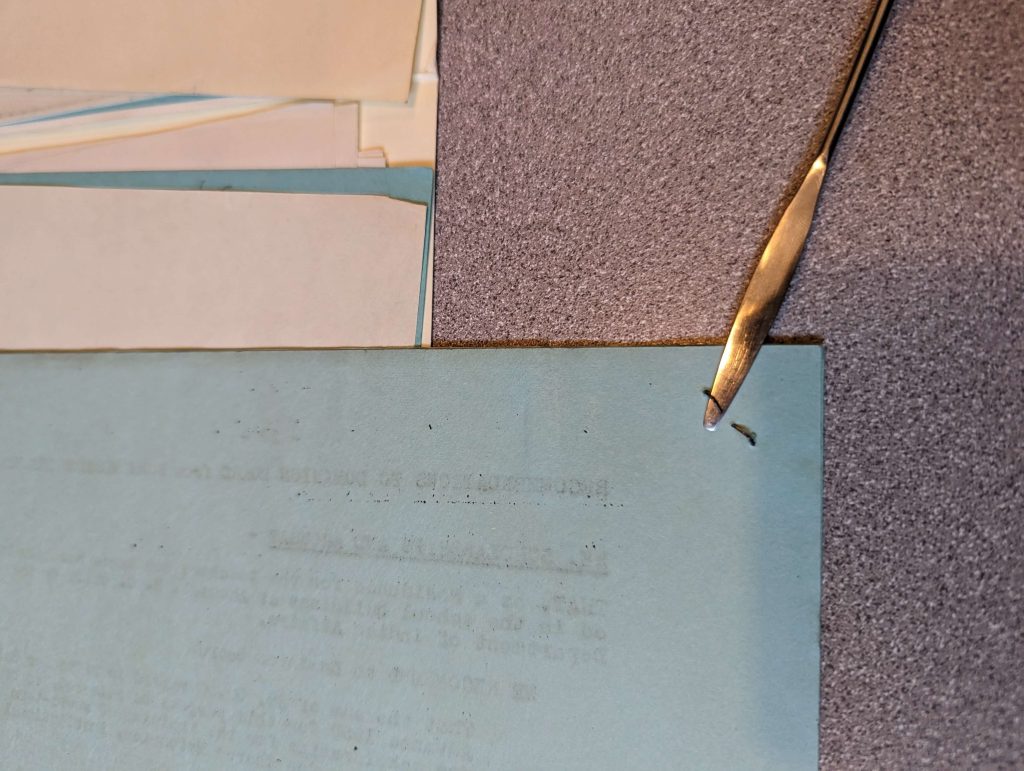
column 503, row 559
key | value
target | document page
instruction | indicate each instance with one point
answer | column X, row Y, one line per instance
column 305, row 49
column 321, row 135
column 447, row 559
column 84, row 268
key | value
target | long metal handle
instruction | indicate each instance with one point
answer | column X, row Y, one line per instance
column 767, row 288
column 860, row 66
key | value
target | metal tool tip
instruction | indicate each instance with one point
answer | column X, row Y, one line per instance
column 712, row 415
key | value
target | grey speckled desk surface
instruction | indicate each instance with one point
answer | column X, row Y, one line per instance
column 609, row 170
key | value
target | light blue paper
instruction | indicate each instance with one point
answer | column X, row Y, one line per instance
column 467, row 559
column 412, row 183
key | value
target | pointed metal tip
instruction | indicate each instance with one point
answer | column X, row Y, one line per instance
column 712, row 415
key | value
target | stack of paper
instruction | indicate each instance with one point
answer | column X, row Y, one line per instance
column 308, row 134
column 244, row 559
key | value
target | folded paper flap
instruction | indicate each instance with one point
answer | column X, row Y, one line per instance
column 332, row 49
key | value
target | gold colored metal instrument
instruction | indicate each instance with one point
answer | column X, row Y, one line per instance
column 768, row 285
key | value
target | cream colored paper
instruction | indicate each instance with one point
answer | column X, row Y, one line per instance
column 372, row 159
column 406, row 132
column 426, row 46
column 104, row 124
column 331, row 49
column 293, row 136
column 23, row 103
column 98, row 268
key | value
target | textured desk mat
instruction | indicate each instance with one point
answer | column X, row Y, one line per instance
column 609, row 170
